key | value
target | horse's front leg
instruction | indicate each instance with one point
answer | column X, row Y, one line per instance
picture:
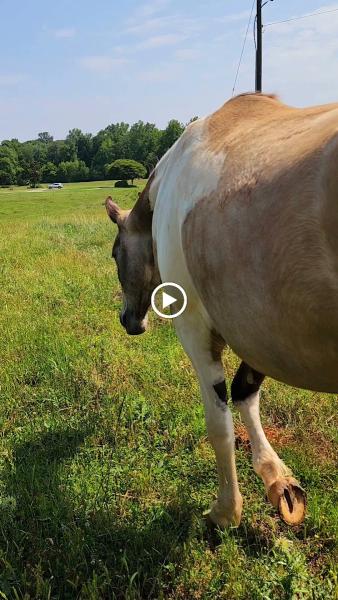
column 204, row 350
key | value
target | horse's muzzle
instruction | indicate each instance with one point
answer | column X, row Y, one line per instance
column 132, row 325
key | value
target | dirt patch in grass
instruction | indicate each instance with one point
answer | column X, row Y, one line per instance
column 321, row 449
column 277, row 436
column 317, row 446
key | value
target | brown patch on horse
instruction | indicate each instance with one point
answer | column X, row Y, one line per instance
column 217, row 345
column 268, row 229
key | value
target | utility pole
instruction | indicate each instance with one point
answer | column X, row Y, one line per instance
column 259, row 30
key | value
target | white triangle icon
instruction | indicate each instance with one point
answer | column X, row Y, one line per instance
column 167, row 300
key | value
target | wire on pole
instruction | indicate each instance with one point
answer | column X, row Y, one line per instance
column 243, row 47
column 315, row 14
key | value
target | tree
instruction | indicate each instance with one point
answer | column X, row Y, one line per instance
column 151, row 161
column 85, row 156
column 169, row 136
column 45, row 137
column 144, row 139
column 119, row 134
column 82, row 172
column 34, row 174
column 60, row 151
column 8, row 163
column 49, row 172
column 126, row 169
column 105, row 155
column 75, row 170
column 7, row 170
column 6, row 176
column 83, row 143
column 40, row 150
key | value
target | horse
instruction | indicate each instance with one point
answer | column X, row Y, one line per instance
column 242, row 212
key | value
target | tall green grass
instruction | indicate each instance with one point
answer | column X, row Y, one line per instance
column 105, row 466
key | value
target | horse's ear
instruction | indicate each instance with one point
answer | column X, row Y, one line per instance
column 113, row 210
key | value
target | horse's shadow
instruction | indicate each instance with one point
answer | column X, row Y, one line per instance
column 43, row 528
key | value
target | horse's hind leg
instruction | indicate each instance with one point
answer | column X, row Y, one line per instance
column 282, row 489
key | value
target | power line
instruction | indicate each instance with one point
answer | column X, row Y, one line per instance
column 323, row 12
column 242, row 52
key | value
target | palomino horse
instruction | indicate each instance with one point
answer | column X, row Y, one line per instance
column 242, row 212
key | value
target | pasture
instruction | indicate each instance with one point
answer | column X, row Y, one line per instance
column 105, row 465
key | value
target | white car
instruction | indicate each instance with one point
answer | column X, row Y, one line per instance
column 55, row 186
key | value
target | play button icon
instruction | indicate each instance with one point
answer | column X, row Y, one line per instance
column 169, row 300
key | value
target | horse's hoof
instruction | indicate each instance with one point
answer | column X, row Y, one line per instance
column 210, row 524
column 289, row 498
column 216, row 518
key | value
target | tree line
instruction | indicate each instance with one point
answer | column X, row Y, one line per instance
column 83, row 156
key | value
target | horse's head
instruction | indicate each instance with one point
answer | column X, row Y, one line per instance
column 136, row 267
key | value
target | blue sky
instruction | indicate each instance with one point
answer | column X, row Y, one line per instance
column 85, row 64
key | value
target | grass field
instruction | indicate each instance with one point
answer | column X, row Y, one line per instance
column 105, row 465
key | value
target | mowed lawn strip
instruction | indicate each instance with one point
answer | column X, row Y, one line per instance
column 105, row 464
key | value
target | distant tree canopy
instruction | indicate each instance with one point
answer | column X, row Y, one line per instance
column 9, row 164
column 83, row 156
column 126, row 169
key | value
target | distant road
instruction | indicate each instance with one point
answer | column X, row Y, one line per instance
column 37, row 190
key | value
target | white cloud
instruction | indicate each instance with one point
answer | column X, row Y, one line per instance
column 158, row 24
column 11, row 79
column 168, row 39
column 151, row 8
column 187, row 54
column 162, row 74
column 102, row 63
column 241, row 16
column 153, row 24
column 65, row 33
